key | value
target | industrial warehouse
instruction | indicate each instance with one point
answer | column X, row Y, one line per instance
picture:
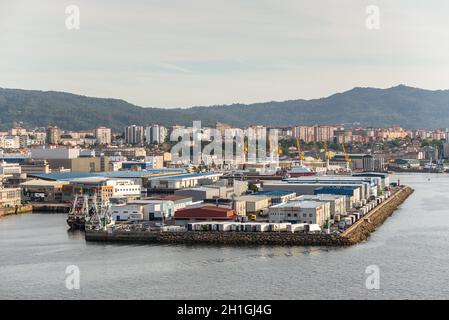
column 144, row 196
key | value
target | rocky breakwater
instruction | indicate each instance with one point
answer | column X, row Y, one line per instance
column 252, row 238
column 362, row 229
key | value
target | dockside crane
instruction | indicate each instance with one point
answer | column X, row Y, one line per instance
column 347, row 157
column 300, row 154
column 326, row 154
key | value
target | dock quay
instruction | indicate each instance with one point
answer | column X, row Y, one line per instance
column 15, row 210
column 50, row 207
column 356, row 233
column 361, row 230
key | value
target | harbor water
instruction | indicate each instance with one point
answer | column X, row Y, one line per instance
column 410, row 251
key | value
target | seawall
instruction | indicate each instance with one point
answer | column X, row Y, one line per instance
column 15, row 210
column 51, row 207
column 358, row 232
column 361, row 230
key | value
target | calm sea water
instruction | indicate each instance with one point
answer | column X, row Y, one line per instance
column 410, row 249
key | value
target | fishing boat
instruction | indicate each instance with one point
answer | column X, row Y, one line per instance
column 78, row 213
column 100, row 216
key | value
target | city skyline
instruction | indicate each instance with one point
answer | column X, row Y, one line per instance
column 222, row 53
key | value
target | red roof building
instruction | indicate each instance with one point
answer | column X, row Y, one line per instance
column 205, row 213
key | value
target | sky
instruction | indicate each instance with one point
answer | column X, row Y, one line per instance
column 180, row 53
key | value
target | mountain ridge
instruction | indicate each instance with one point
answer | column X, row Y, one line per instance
column 399, row 105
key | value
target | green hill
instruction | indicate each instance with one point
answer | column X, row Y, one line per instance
column 400, row 105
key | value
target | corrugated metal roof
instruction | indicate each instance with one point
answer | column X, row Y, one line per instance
column 275, row 193
column 205, row 212
column 308, row 204
column 63, row 176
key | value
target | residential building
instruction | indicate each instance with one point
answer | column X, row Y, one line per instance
column 10, row 142
column 53, row 135
column 134, row 135
column 103, row 135
column 156, row 134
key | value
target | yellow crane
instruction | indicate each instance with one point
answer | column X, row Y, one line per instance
column 326, row 151
column 280, row 151
column 347, row 157
column 326, row 154
column 317, row 151
column 298, row 148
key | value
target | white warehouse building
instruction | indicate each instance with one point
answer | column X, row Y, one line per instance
column 310, row 212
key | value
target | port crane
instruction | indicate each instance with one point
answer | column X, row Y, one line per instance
column 347, row 157
column 326, row 154
column 300, row 154
column 317, row 152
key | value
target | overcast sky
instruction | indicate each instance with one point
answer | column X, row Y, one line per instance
column 176, row 53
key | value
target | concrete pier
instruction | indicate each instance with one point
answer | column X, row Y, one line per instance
column 358, row 232
column 15, row 210
column 51, row 207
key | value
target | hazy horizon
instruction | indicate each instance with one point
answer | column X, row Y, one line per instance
column 218, row 104
column 201, row 53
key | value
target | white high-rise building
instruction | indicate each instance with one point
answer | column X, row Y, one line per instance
column 155, row 134
column 103, row 135
column 134, row 134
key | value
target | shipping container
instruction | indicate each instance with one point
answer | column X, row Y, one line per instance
column 278, row 227
column 225, row 227
column 353, row 217
column 348, row 221
column 263, row 227
column 313, row 228
column 298, row 227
